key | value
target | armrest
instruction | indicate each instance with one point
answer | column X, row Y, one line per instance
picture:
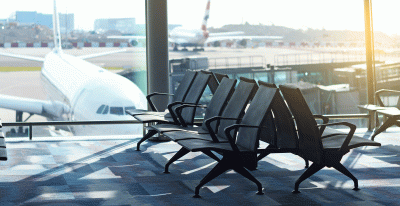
column 349, row 135
column 178, row 112
column 379, row 92
column 230, row 138
column 148, row 97
column 325, row 120
column 1, row 125
column 171, row 110
column 209, row 128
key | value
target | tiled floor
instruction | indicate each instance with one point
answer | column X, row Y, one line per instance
column 110, row 172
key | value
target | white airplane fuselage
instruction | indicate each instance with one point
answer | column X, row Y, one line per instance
column 78, row 91
column 188, row 37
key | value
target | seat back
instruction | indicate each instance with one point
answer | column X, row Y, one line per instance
column 184, row 86
column 220, row 99
column 242, row 95
column 285, row 135
column 220, row 76
column 193, row 96
column 310, row 144
column 268, row 135
column 256, row 115
column 213, row 83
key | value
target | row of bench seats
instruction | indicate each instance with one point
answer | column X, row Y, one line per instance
column 234, row 132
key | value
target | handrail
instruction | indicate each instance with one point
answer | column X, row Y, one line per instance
column 347, row 116
column 317, row 57
column 31, row 124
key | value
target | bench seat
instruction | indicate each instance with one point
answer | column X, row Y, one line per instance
column 240, row 152
column 337, row 141
column 322, row 150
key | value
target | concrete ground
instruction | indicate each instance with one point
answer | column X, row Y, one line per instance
column 108, row 171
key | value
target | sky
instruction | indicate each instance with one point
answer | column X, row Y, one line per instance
column 315, row 14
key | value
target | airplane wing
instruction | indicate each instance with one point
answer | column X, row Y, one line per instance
column 101, row 54
column 32, row 58
column 33, row 106
column 232, row 38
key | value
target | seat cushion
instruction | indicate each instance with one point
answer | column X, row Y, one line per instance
column 135, row 112
column 153, row 118
column 161, row 128
column 336, row 141
column 183, row 135
column 196, row 145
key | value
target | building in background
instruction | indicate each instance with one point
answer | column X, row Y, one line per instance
column 32, row 17
column 123, row 25
column 67, row 22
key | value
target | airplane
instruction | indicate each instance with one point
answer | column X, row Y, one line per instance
column 185, row 37
column 78, row 90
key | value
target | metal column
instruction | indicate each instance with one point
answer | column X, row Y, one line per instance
column 157, row 50
column 369, row 41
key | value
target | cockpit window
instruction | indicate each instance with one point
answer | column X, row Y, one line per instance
column 129, row 108
column 100, row 109
column 105, row 111
column 117, row 110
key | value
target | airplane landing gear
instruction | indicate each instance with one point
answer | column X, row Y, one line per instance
column 198, row 49
column 19, row 131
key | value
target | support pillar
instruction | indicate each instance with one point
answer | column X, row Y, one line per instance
column 157, row 50
column 369, row 42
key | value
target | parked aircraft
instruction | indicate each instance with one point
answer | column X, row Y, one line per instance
column 185, row 37
column 78, row 90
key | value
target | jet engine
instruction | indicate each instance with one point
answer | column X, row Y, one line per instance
column 242, row 43
column 133, row 42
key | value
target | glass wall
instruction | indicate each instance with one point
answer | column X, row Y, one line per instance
column 97, row 73
column 318, row 46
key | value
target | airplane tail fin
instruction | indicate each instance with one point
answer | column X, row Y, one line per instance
column 206, row 15
column 56, row 30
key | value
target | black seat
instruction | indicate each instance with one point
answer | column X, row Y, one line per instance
column 187, row 114
column 232, row 114
column 178, row 96
column 322, row 151
column 241, row 152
